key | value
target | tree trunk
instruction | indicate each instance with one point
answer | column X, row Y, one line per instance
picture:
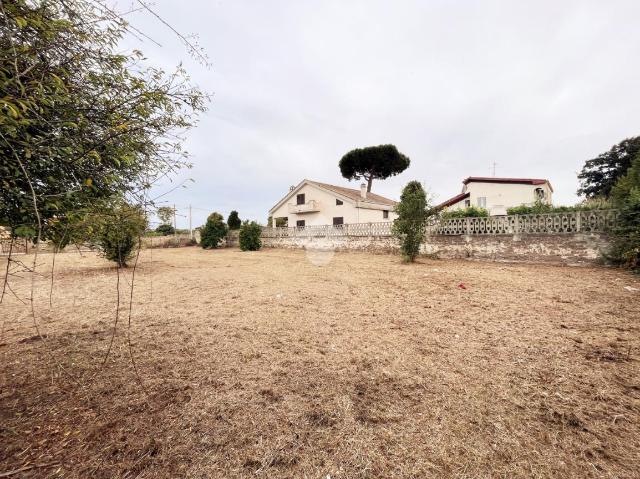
column 369, row 183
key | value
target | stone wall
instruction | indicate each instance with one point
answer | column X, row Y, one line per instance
column 570, row 248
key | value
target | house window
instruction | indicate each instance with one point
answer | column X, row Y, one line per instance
column 467, row 203
column 300, row 223
column 539, row 193
column 385, row 214
column 338, row 220
column 300, row 200
column 482, row 201
column 338, row 202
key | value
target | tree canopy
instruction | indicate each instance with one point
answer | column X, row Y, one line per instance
column 373, row 162
column 165, row 214
column 600, row 174
column 233, row 221
column 79, row 120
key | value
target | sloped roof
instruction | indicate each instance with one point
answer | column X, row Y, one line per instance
column 519, row 181
column 348, row 193
column 454, row 200
column 355, row 194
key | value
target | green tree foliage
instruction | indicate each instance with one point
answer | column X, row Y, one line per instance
column 165, row 215
column 165, row 230
column 249, row 236
column 378, row 162
column 597, row 203
column 25, row 232
column 600, row 174
column 233, row 222
column 213, row 232
column 117, row 231
column 79, row 120
column 468, row 212
column 76, row 227
column 626, row 197
column 626, row 240
column 409, row 227
column 627, row 184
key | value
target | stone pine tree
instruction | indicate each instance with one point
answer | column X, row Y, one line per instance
column 409, row 226
column 373, row 162
column 233, row 221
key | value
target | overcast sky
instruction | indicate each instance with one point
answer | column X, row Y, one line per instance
column 537, row 87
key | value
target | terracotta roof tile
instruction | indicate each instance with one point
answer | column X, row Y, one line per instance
column 355, row 194
column 493, row 179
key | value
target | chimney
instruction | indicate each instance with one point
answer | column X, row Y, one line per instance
column 363, row 191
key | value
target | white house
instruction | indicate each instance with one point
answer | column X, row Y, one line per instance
column 498, row 194
column 311, row 203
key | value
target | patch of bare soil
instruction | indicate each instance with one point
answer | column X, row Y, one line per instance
column 266, row 365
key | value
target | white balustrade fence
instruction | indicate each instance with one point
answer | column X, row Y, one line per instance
column 596, row 221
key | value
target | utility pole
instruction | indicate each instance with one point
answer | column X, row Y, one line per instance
column 494, row 168
column 175, row 232
column 190, row 229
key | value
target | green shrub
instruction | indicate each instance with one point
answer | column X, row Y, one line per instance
column 165, row 230
column 409, row 227
column 213, row 231
column 468, row 212
column 598, row 203
column 117, row 231
column 539, row 207
column 233, row 222
column 26, row 232
column 250, row 236
column 625, row 248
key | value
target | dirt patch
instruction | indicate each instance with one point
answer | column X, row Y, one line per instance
column 263, row 364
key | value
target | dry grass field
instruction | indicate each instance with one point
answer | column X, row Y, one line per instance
column 287, row 364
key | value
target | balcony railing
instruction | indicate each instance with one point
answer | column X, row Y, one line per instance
column 308, row 207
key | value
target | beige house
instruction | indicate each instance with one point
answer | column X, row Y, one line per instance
column 311, row 203
column 498, row 194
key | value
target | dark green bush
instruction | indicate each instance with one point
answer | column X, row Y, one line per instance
column 233, row 222
column 625, row 194
column 165, row 230
column 468, row 212
column 539, row 207
column 250, row 236
column 26, row 232
column 409, row 227
column 625, row 249
column 213, row 232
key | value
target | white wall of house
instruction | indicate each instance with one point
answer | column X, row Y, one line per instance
column 322, row 209
column 497, row 197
